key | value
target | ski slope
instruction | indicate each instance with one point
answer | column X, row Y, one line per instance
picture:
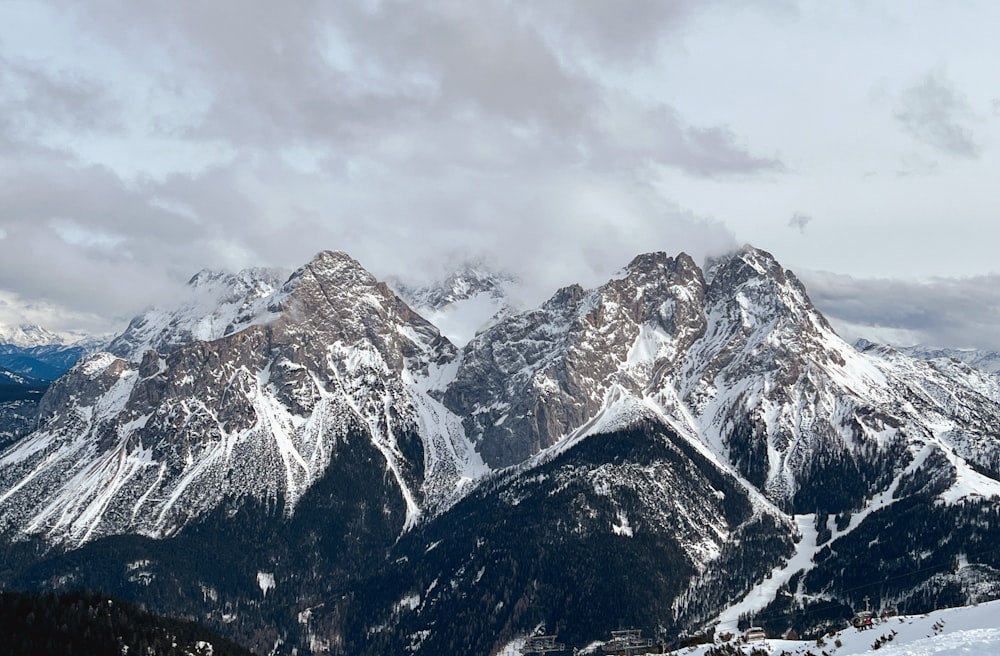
column 965, row 631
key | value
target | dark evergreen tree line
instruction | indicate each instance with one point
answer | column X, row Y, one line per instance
column 83, row 623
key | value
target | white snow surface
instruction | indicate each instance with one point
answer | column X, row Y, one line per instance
column 459, row 321
column 453, row 465
column 760, row 596
column 470, row 299
column 988, row 361
column 265, row 581
column 964, row 631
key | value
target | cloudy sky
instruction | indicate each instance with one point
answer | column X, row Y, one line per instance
column 858, row 141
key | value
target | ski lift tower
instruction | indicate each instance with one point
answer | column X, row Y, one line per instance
column 863, row 619
column 627, row 642
column 542, row 644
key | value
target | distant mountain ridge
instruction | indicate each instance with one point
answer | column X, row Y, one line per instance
column 988, row 361
column 36, row 352
column 466, row 281
column 659, row 449
column 29, row 335
column 29, row 362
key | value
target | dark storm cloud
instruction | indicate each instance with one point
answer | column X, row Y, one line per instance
column 933, row 112
column 953, row 312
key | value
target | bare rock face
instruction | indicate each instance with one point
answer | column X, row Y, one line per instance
column 538, row 376
column 654, row 435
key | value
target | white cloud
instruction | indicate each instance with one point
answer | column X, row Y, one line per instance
column 399, row 132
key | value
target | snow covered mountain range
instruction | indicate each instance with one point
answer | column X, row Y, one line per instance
column 988, row 361
column 698, row 437
column 31, row 357
column 258, row 407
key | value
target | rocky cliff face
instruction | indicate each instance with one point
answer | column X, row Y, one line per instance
column 539, row 376
column 247, row 394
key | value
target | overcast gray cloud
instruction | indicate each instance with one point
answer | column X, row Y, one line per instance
column 957, row 312
column 934, row 112
column 395, row 131
column 142, row 142
column 35, row 101
column 800, row 221
column 621, row 32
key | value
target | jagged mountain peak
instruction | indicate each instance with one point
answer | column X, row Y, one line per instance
column 233, row 282
column 565, row 296
column 336, row 265
column 752, row 285
column 331, row 295
column 657, row 260
column 726, row 362
column 746, row 265
column 661, row 425
column 748, row 255
column 549, row 370
column 337, row 301
column 341, row 278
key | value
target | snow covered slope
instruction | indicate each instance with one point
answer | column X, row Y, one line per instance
column 988, row 361
column 964, row 631
column 534, row 441
column 739, row 362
